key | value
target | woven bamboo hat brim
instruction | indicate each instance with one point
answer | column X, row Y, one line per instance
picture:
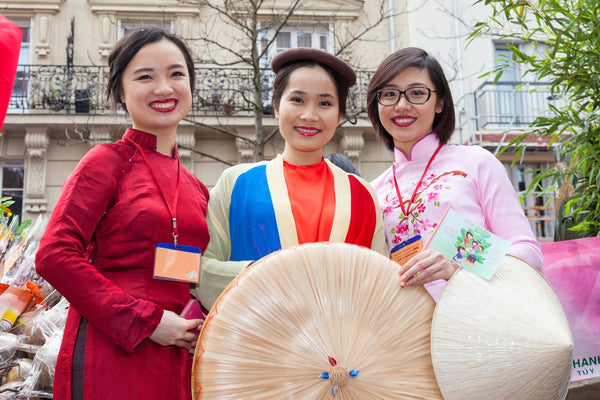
column 319, row 321
column 506, row 338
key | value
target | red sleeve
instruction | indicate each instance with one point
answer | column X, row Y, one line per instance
column 62, row 255
column 364, row 214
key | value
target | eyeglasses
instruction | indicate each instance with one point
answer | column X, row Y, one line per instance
column 415, row 95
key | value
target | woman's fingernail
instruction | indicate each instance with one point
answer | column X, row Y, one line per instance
column 402, row 284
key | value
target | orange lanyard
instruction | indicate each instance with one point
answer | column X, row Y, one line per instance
column 412, row 198
column 172, row 210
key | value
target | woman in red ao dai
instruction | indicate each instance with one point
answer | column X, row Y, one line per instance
column 123, row 337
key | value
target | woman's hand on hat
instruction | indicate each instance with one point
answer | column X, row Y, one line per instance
column 427, row 266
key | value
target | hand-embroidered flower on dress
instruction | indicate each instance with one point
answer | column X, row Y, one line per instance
column 397, row 239
column 432, row 196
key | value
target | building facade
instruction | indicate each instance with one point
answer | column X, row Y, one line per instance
column 57, row 111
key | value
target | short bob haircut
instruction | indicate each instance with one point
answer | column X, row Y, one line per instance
column 282, row 79
column 128, row 46
column 392, row 66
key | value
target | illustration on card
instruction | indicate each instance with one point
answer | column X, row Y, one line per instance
column 471, row 246
column 468, row 244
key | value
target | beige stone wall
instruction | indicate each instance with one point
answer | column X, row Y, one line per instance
column 61, row 162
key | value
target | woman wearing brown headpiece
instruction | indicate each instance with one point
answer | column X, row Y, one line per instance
column 299, row 197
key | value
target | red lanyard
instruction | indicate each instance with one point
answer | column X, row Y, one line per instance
column 412, row 198
column 173, row 210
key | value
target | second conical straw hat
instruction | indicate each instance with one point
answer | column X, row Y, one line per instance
column 506, row 338
column 320, row 321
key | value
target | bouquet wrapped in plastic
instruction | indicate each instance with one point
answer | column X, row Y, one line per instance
column 32, row 313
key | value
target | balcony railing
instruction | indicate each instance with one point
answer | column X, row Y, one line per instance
column 66, row 89
column 503, row 105
column 80, row 89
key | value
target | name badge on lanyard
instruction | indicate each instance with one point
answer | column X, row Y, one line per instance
column 407, row 250
column 177, row 263
column 413, row 246
column 172, row 261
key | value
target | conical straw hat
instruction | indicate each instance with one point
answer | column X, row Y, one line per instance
column 319, row 321
column 507, row 338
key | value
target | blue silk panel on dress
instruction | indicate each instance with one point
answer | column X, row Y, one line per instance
column 250, row 203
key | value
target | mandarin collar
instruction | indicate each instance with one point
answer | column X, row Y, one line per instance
column 424, row 148
column 144, row 139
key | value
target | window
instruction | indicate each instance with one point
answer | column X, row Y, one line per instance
column 12, row 186
column 507, row 99
column 18, row 100
column 126, row 25
column 519, row 97
column 315, row 37
column 538, row 209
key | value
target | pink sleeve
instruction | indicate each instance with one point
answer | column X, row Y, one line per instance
column 62, row 255
column 503, row 212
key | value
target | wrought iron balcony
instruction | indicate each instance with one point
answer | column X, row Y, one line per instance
column 503, row 105
column 66, row 89
column 80, row 89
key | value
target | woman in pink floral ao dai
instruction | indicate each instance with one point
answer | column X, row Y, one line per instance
column 410, row 105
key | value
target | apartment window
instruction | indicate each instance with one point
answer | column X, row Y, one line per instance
column 126, row 25
column 18, row 98
column 507, row 100
column 318, row 37
column 315, row 37
column 520, row 97
column 12, row 186
column 539, row 209
column 284, row 41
